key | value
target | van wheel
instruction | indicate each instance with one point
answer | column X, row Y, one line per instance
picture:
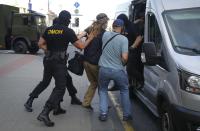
column 166, row 118
column 20, row 47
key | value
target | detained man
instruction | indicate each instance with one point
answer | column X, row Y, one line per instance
column 112, row 61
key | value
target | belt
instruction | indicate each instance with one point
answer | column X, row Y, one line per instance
column 55, row 55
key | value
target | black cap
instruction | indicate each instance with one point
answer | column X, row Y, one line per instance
column 64, row 15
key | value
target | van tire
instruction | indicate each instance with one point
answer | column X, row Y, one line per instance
column 166, row 118
column 20, row 47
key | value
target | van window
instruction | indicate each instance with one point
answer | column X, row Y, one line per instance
column 183, row 27
column 154, row 35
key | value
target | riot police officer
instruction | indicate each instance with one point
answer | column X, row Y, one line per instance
column 54, row 42
column 44, row 84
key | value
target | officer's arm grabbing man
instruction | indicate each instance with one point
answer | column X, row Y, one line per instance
column 78, row 44
column 55, row 42
column 44, row 83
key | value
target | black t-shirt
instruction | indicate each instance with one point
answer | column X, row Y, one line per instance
column 140, row 31
column 134, row 30
column 131, row 32
column 93, row 51
column 58, row 37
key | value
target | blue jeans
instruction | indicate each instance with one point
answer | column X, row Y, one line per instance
column 121, row 80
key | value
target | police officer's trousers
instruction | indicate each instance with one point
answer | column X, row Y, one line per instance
column 57, row 69
column 47, row 76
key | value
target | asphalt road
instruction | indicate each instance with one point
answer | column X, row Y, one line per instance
column 19, row 74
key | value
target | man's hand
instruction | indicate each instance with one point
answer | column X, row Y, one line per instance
column 137, row 42
column 91, row 35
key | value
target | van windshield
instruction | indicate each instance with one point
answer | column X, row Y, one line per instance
column 184, row 30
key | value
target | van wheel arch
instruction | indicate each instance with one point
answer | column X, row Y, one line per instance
column 165, row 110
column 166, row 118
column 165, row 113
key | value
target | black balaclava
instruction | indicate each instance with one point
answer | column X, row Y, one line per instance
column 64, row 18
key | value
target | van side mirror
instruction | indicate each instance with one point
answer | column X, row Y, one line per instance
column 149, row 55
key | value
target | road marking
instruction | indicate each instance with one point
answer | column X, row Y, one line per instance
column 127, row 125
column 16, row 64
column 6, row 51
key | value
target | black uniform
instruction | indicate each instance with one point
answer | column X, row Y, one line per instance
column 134, row 64
column 57, row 38
column 46, row 81
column 44, row 84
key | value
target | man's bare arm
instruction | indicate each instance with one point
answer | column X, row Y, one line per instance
column 42, row 44
column 124, row 58
column 137, row 42
column 82, row 34
column 81, row 45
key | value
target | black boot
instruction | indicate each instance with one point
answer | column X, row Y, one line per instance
column 28, row 104
column 58, row 110
column 75, row 101
column 44, row 116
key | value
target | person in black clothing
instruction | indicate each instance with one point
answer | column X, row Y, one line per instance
column 44, row 84
column 134, row 64
column 70, row 87
column 138, row 75
column 54, row 42
column 134, row 33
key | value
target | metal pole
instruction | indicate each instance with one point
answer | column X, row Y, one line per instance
column 48, row 5
column 29, row 5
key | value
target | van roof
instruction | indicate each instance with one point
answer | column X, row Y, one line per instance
column 180, row 4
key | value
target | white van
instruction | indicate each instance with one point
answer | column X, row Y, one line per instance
column 171, row 54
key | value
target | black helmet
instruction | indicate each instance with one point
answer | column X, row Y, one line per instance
column 64, row 17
